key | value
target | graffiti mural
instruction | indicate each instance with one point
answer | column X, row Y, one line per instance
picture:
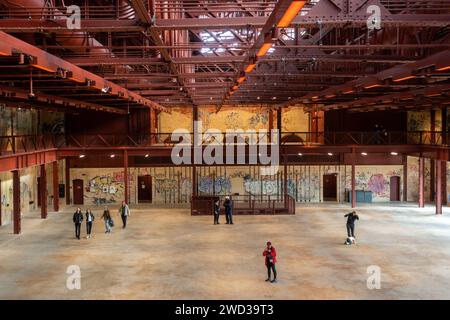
column 105, row 189
column 222, row 185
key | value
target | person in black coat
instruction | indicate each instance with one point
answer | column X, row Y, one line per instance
column 89, row 221
column 351, row 217
column 216, row 212
column 228, row 204
column 77, row 219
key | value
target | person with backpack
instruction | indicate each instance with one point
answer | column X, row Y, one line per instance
column 216, row 212
column 351, row 218
column 89, row 221
column 109, row 223
column 77, row 219
column 228, row 204
column 124, row 212
column 270, row 255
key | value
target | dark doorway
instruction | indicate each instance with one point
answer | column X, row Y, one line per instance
column 78, row 192
column 145, row 189
column 330, row 187
column 39, row 191
column 394, row 184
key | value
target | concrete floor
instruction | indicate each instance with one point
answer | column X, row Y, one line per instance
column 167, row 254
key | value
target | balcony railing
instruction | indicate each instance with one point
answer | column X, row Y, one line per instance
column 31, row 143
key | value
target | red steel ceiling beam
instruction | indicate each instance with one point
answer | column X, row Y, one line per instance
column 58, row 25
column 402, row 20
column 12, row 93
column 48, row 62
column 433, row 62
column 430, row 92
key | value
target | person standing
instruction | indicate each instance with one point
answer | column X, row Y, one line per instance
column 270, row 255
column 108, row 220
column 228, row 204
column 124, row 212
column 89, row 221
column 77, row 219
column 351, row 217
column 216, row 212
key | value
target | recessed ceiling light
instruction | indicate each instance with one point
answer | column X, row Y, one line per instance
column 113, row 156
column 300, row 154
column 330, row 154
column 147, row 155
column 364, row 153
column 394, row 153
column 82, row 155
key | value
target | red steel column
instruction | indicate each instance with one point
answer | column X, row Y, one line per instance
column 55, row 186
column 67, row 182
column 353, row 180
column 125, row 174
column 421, row 182
column 0, row 202
column 444, row 182
column 194, row 181
column 438, row 187
column 16, row 202
column 432, row 180
column 43, row 192
column 405, row 178
column 285, row 182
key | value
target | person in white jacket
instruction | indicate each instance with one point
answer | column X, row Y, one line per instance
column 124, row 212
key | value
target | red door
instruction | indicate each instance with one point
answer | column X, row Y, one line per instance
column 145, row 189
column 78, row 195
column 330, row 187
column 394, row 184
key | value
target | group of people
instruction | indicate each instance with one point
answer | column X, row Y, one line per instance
column 228, row 205
column 270, row 253
column 78, row 217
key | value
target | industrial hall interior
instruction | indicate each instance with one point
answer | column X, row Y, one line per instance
column 224, row 149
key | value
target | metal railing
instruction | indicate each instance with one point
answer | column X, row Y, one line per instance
column 245, row 204
column 30, row 143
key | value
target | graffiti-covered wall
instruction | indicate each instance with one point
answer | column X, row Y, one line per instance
column 227, row 118
column 103, row 186
column 173, row 185
column 28, row 193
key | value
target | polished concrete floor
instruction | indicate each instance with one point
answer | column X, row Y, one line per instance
column 167, row 254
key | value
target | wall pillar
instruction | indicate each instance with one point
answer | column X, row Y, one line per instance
column 43, row 191
column 444, row 182
column 432, row 180
column 125, row 175
column 17, row 219
column 433, row 126
column 405, row 178
column 421, row 182
column 279, row 125
column 285, row 180
column 0, row 202
column 67, row 182
column 438, row 187
column 444, row 125
column 194, row 181
column 55, row 186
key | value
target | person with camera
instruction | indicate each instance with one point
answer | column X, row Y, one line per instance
column 271, row 258
column 228, row 204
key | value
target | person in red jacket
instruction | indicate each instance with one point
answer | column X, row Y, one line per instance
column 271, row 258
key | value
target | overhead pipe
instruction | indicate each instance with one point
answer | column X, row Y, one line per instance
column 67, row 38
